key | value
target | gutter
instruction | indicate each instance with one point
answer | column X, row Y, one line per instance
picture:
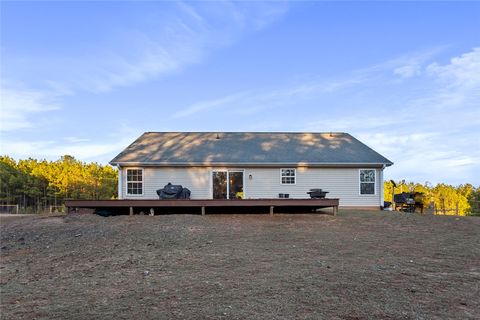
column 251, row 164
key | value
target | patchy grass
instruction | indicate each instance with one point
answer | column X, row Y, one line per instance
column 356, row 265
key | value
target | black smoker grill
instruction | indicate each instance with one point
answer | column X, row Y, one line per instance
column 172, row 191
column 317, row 193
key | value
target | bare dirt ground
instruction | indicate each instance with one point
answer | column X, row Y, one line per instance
column 298, row 266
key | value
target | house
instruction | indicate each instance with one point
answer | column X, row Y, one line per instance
column 253, row 165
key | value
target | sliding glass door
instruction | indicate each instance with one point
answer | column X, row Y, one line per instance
column 220, row 185
column 235, row 184
column 227, row 184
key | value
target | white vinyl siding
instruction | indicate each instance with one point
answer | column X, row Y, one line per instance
column 195, row 179
column 342, row 183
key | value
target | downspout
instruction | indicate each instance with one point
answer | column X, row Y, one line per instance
column 382, row 199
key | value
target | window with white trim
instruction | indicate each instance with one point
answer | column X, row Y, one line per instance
column 287, row 176
column 134, row 182
column 367, row 181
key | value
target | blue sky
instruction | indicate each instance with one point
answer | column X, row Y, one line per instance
column 86, row 78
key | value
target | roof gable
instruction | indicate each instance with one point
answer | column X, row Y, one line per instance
column 253, row 148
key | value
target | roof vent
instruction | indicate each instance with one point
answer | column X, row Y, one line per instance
column 218, row 137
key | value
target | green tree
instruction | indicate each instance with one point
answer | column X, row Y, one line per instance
column 37, row 184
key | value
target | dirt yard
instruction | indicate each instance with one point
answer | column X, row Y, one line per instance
column 352, row 266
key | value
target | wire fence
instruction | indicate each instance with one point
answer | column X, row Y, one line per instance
column 9, row 208
column 56, row 209
column 19, row 209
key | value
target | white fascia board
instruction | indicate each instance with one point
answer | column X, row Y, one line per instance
column 254, row 164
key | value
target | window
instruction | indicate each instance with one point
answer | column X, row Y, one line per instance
column 134, row 181
column 287, row 176
column 367, row 181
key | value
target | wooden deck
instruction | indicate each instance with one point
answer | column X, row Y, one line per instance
column 203, row 204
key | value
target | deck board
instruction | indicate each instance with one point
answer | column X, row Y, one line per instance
column 203, row 203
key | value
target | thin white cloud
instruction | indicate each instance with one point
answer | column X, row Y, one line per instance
column 177, row 40
column 463, row 71
column 82, row 147
column 247, row 103
column 76, row 139
column 408, row 71
column 455, row 85
column 428, row 123
column 442, row 139
column 181, row 35
column 53, row 149
column 190, row 34
column 255, row 102
column 353, row 123
column 411, row 65
column 207, row 105
column 19, row 104
column 423, row 156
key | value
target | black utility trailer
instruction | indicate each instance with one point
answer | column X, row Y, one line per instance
column 409, row 201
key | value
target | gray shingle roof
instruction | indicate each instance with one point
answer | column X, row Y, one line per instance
column 248, row 148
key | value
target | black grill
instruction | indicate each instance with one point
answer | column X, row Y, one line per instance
column 317, row 193
column 172, row 191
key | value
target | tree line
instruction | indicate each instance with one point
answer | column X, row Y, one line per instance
column 443, row 198
column 35, row 185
